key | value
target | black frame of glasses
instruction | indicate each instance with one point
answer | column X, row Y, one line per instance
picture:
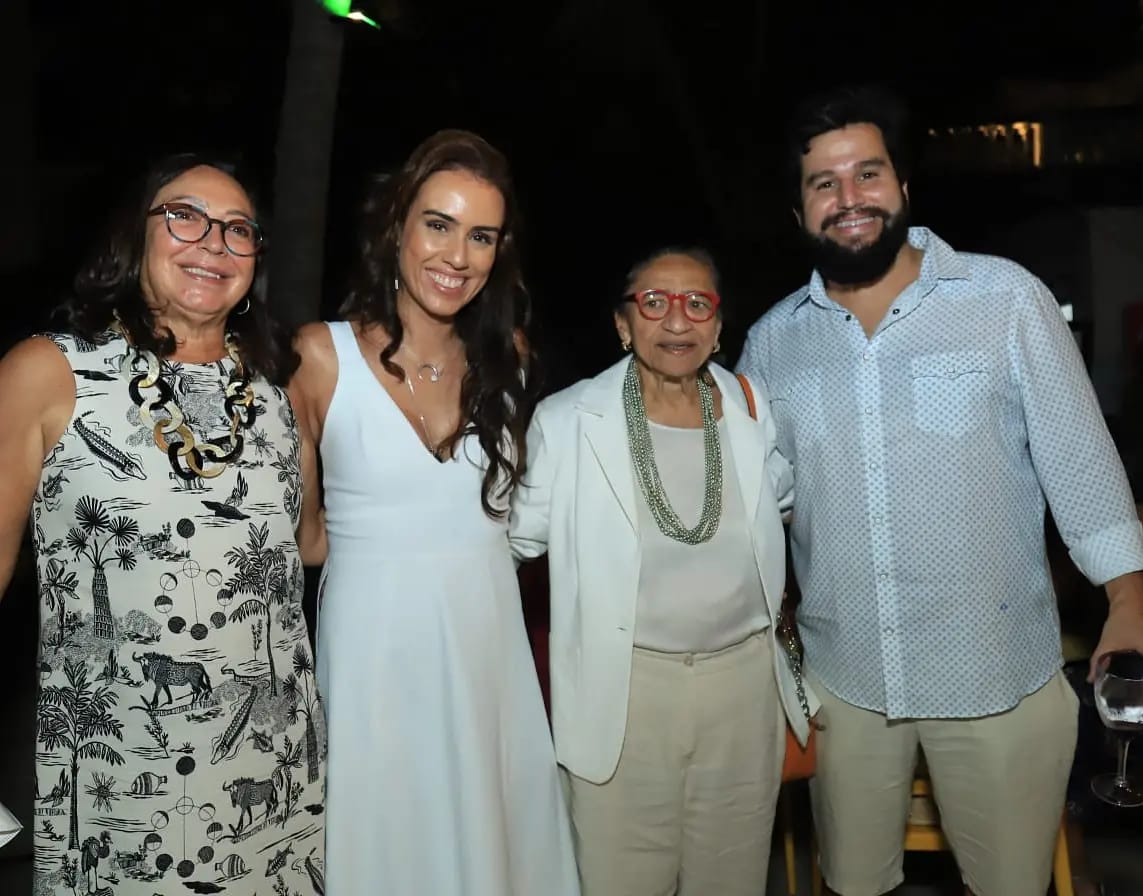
column 166, row 208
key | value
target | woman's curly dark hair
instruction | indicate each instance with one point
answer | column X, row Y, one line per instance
column 495, row 397
column 107, row 286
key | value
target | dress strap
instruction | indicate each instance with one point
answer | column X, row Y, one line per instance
column 344, row 342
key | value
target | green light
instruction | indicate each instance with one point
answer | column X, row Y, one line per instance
column 342, row 9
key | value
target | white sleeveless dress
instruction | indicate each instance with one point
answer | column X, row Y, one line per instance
column 442, row 776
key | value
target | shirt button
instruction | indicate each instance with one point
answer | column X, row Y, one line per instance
column 688, row 660
column 873, row 465
column 883, row 575
column 869, row 411
column 877, row 518
column 866, row 356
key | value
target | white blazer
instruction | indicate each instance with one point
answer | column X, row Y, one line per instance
column 578, row 503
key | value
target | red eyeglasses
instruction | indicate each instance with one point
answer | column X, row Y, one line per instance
column 655, row 304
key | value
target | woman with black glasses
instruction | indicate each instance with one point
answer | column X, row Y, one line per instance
column 657, row 498
column 180, row 739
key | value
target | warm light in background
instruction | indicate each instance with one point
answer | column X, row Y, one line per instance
column 1024, row 138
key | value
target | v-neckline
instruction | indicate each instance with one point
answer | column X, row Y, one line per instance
column 409, row 425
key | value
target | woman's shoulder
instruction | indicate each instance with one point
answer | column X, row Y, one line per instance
column 740, row 388
column 316, row 345
column 586, row 392
column 40, row 355
column 315, row 337
column 36, row 381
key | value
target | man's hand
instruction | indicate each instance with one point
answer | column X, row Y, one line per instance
column 1124, row 627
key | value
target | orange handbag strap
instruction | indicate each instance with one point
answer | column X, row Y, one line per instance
column 749, row 393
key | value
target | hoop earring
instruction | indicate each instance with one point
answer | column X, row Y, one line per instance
column 246, row 301
column 625, row 344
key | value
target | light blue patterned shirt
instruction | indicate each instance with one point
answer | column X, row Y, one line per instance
column 922, row 459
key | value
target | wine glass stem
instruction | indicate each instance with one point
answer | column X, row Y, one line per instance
column 1124, row 745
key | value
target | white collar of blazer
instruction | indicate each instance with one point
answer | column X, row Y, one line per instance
column 605, row 428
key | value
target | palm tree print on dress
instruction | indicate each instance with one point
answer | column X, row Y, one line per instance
column 288, row 759
column 77, row 718
column 56, row 585
column 148, row 701
column 262, row 573
column 301, row 687
column 94, row 523
column 289, row 472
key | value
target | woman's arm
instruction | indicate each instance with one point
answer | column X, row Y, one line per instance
column 778, row 469
column 37, row 398
column 310, row 390
column 531, row 501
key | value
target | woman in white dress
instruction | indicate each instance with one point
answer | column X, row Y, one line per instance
column 442, row 774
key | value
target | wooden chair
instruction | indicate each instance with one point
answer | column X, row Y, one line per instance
column 927, row 836
column 785, row 806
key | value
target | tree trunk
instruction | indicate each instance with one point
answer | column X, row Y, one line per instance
column 301, row 174
column 311, row 748
column 73, row 828
column 103, row 623
column 270, row 651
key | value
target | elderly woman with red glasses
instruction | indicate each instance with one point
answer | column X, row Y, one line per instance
column 657, row 495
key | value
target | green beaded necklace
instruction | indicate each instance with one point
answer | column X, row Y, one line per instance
column 643, row 456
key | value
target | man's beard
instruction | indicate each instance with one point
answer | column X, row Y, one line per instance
column 865, row 264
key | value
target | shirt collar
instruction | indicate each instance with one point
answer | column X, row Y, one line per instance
column 940, row 262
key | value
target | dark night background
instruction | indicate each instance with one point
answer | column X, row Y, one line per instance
column 629, row 124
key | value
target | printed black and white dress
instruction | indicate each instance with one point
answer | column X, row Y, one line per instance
column 180, row 739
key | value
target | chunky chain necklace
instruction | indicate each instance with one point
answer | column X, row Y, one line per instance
column 190, row 457
column 643, row 455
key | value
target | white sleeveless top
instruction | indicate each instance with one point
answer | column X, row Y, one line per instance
column 703, row 597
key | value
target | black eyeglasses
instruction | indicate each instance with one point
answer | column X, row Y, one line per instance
column 187, row 224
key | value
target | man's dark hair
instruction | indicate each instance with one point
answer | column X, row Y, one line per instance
column 839, row 108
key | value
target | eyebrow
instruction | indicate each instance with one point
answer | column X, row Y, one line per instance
column 432, row 212
column 875, row 162
column 201, row 206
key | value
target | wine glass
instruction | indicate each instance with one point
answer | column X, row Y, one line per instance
column 1119, row 701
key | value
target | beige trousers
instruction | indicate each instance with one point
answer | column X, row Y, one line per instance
column 690, row 808
column 999, row 784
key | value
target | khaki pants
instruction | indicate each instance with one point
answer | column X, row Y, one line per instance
column 690, row 808
column 999, row 784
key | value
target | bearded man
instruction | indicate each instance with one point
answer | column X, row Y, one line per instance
column 933, row 403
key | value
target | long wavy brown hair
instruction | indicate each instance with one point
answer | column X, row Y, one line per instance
column 496, row 397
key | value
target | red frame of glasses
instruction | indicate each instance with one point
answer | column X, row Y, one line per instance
column 679, row 297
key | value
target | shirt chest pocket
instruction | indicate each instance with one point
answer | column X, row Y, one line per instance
column 799, row 414
column 951, row 392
